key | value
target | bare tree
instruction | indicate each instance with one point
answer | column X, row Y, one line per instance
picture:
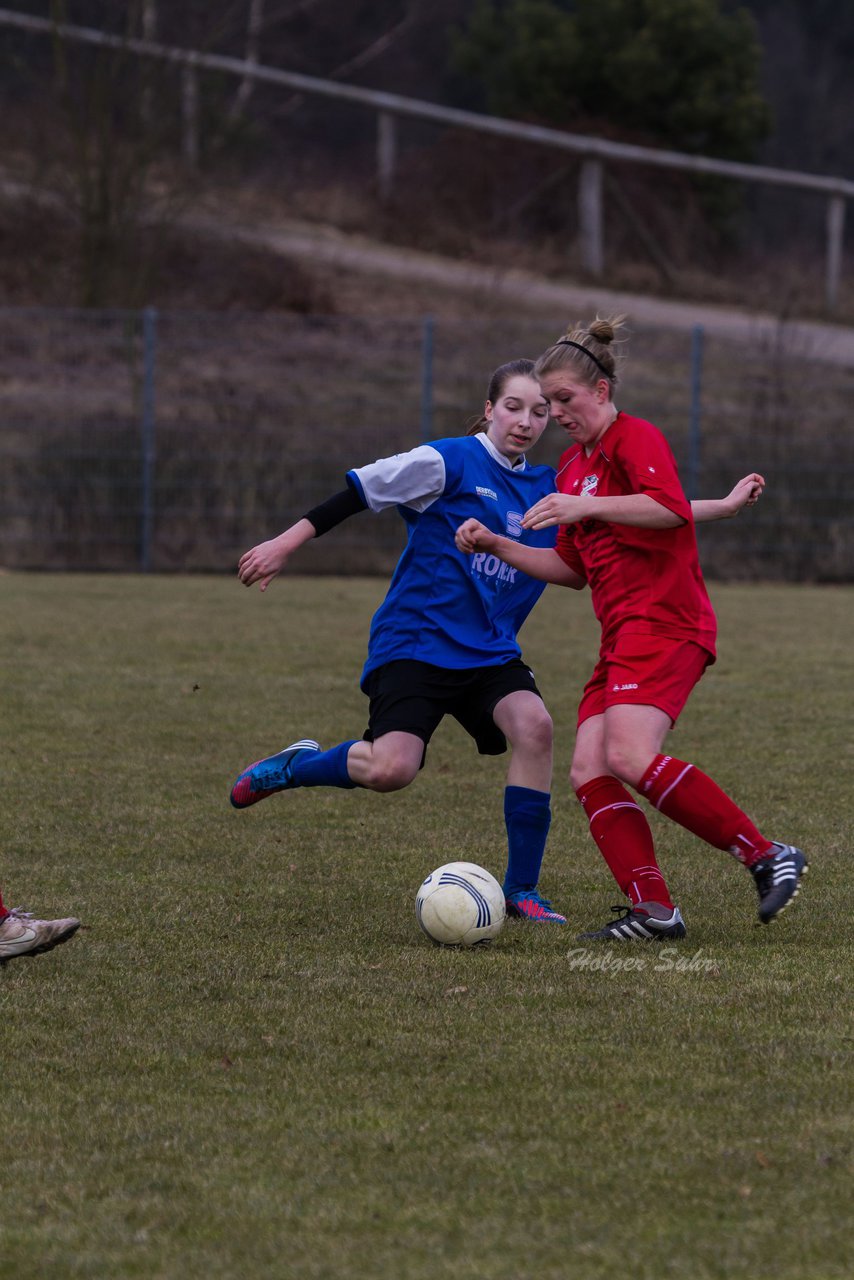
column 254, row 27
column 365, row 56
column 105, row 136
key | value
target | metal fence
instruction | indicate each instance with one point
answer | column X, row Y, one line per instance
column 173, row 441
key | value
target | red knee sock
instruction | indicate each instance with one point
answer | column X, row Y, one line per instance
column 621, row 831
column 684, row 793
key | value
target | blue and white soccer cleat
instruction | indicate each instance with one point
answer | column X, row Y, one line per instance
column 778, row 879
column 265, row 777
column 528, row 904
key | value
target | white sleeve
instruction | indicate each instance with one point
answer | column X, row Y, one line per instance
column 414, row 479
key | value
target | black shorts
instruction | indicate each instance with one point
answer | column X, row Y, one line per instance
column 413, row 697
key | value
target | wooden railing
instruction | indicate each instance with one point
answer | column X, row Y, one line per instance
column 391, row 107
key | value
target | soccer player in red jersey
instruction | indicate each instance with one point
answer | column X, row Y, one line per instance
column 627, row 531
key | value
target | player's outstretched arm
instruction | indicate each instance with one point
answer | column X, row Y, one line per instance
column 743, row 494
column 264, row 562
column 538, row 562
column 638, row 509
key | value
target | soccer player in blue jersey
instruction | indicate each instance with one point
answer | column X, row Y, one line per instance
column 443, row 642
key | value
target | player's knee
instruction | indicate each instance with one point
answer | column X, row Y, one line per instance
column 390, row 775
column 580, row 771
column 622, row 761
column 534, row 736
column 539, row 740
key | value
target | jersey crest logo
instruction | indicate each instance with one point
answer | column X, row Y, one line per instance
column 589, row 485
column 514, row 524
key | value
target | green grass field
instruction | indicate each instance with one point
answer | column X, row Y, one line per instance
column 251, row 1063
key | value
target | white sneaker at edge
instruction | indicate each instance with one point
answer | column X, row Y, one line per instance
column 21, row 935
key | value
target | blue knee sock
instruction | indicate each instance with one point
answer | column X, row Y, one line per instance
column 527, row 816
column 325, row 768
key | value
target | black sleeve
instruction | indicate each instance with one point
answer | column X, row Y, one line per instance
column 339, row 507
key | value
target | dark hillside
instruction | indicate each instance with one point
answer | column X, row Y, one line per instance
column 100, row 134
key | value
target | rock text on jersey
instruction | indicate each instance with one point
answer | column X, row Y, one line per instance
column 491, row 566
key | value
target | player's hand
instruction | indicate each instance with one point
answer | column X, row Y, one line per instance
column 472, row 536
column 262, row 563
column 557, row 508
column 746, row 493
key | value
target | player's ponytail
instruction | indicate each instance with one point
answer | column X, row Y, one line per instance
column 586, row 351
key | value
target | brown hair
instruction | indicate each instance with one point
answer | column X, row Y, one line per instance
column 586, row 350
column 497, row 383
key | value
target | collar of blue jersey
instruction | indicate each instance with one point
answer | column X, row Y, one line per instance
column 490, row 448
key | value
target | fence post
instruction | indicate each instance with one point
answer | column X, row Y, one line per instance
column 149, row 361
column 835, row 233
column 427, row 335
column 149, row 31
column 695, row 417
column 590, row 217
column 190, row 105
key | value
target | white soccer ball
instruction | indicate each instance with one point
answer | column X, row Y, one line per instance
column 460, row 905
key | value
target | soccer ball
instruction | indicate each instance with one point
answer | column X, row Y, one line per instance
column 460, row 905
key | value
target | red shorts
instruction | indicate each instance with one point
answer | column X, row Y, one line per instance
column 651, row 671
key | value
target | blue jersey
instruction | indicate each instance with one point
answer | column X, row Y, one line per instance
column 443, row 606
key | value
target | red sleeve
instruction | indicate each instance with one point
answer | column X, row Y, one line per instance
column 649, row 466
column 566, row 549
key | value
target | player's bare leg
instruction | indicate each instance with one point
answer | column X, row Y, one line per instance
column 618, row 825
column 388, row 764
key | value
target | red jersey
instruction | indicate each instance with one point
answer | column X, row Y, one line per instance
column 646, row 581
